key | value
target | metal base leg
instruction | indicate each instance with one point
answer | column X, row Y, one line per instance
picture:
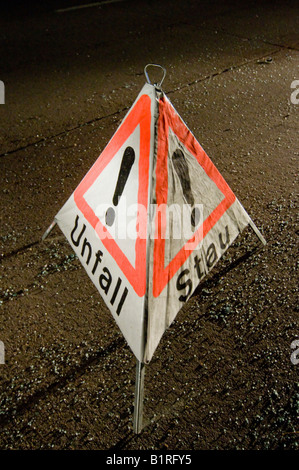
column 258, row 233
column 139, row 391
column 49, row 229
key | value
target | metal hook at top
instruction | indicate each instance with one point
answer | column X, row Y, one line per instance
column 147, row 77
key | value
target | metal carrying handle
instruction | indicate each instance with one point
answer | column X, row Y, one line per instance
column 147, row 77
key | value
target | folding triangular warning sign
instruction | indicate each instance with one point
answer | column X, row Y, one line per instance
column 150, row 219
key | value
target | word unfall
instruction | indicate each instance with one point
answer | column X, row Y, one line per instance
column 93, row 260
column 202, row 264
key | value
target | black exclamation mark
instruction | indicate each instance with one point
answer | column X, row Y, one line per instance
column 123, row 175
column 181, row 168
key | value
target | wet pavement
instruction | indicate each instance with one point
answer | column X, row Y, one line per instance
column 222, row 377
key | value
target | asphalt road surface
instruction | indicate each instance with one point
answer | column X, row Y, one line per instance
column 225, row 375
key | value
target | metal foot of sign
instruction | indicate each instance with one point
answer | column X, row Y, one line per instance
column 49, row 229
column 258, row 233
column 139, row 393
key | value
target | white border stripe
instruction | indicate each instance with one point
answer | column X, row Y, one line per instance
column 88, row 5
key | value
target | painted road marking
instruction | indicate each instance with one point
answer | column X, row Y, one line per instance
column 88, row 5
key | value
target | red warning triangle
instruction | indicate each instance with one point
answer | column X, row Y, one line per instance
column 170, row 122
column 139, row 117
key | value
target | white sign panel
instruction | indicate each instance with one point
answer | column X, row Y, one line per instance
column 150, row 219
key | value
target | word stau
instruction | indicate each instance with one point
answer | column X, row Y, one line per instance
column 210, row 258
